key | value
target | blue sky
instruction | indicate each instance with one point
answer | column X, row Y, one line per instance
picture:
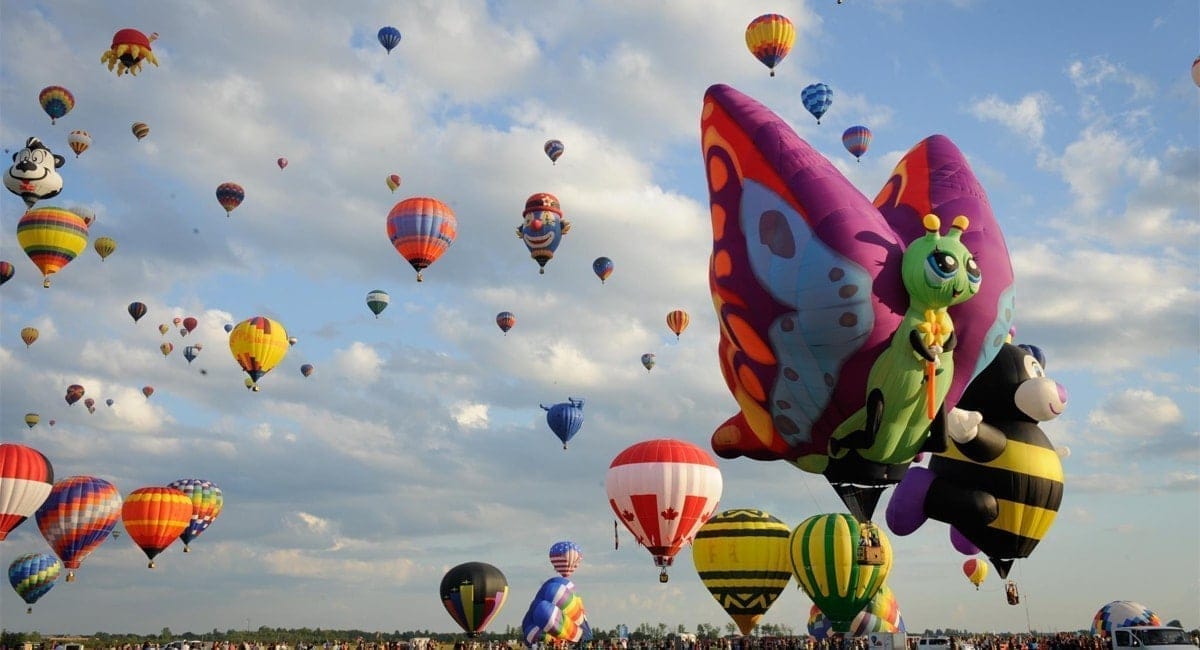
column 418, row 442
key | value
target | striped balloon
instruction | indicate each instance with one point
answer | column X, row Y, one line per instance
column 742, row 558
column 678, row 321
column 155, row 517
column 769, row 38
column 473, row 593
column 77, row 517
column 882, row 614
column 824, row 560
column 856, row 139
column 32, row 575
column 565, row 556
column 52, row 237
column 817, row 98
column 207, row 502
column 1122, row 613
column 505, row 321
column 421, row 229
column 258, row 344
column 25, row 481
column 230, row 196
column 56, row 101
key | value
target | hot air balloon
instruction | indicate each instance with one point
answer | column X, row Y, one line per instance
column 678, row 321
column 282, row 163
column 882, row 614
column 178, row 320
column 505, row 321
column 163, row 328
column 29, row 335
column 228, row 327
column 90, row 404
column 104, row 246
column 79, row 141
column 130, row 48
column 154, row 517
column 542, row 227
column 51, row 237
column 140, row 130
column 1122, row 613
column 56, row 101
column 108, row 402
column 742, row 558
column 377, row 301
column 603, row 268
column 565, row 419
column 52, row 422
column 648, row 361
column 663, row 490
column 840, row 563
column 976, row 571
column 565, row 556
column 26, row 477
column 78, row 516
column 32, row 575
column 258, row 344
column 473, row 593
column 6, row 271
column 292, row 341
column 306, row 369
column 87, row 214
column 856, row 139
column 817, row 99
column 33, row 175
column 137, row 310
column 230, row 195
column 556, row 615
column 166, row 348
column 190, row 323
column 206, row 504
column 769, row 38
column 1196, row 71
column 421, row 229
column 389, row 37
column 393, row 181
column 554, row 150
column 190, row 352
column 31, row 419
column 147, row 391
column 74, row 394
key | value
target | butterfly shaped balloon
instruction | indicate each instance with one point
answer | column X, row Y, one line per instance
column 811, row 286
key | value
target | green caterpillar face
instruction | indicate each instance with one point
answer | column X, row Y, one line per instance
column 940, row 271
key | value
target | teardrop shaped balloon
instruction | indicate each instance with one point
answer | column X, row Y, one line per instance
column 306, row 369
column 29, row 335
column 377, row 301
column 976, row 571
column 603, row 268
column 678, row 321
column 190, row 352
column 421, row 228
column 32, row 575
column 105, row 246
column 154, row 517
column 74, row 394
column 51, row 237
column 166, row 348
column 389, row 37
column 77, row 516
column 817, row 98
column 282, row 163
column 742, row 558
column 147, row 391
column 178, row 320
column 89, row 403
column 769, row 38
column 230, row 195
column 79, row 141
column 505, row 321
column 163, row 328
column 140, row 130
column 856, row 139
column 56, row 101
column 648, row 361
column 31, row 419
column 565, row 419
column 207, row 502
column 393, row 181
column 6, row 271
column 473, row 593
column 554, row 150
column 190, row 323
column 258, row 344
column 26, row 477
column 565, row 557
column 829, row 556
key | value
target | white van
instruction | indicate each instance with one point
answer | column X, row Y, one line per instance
column 1147, row 637
column 933, row 643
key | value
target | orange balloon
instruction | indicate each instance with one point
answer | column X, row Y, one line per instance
column 421, row 229
column 678, row 321
column 155, row 517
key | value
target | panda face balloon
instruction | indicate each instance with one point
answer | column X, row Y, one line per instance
column 33, row 175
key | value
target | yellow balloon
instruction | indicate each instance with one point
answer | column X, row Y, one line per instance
column 29, row 335
column 51, row 237
column 105, row 246
column 742, row 557
column 840, row 564
column 258, row 344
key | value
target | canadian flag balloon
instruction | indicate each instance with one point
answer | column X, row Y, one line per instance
column 663, row 491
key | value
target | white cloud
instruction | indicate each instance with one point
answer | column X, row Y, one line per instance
column 1026, row 117
column 471, row 416
column 1136, row 413
column 360, row 363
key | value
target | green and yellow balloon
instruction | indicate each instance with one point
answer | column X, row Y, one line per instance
column 827, row 555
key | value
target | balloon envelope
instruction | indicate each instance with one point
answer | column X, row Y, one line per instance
column 473, row 593
column 825, row 561
column 648, row 361
column 817, row 98
column 554, row 150
column 56, row 101
column 505, row 321
column 603, row 268
column 51, row 237
column 377, row 301
column 565, row 556
column 856, row 139
column 769, row 38
column 230, row 195
column 678, row 321
column 1122, row 613
column 79, row 141
column 26, row 477
column 137, row 310
column 77, row 517
column 32, row 575
column 742, row 559
column 421, row 229
column 565, row 419
column 258, row 344
column 389, row 37
column 105, row 246
column 154, row 517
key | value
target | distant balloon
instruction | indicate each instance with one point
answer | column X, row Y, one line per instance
column 554, row 150
column 79, row 141
column 74, row 393
column 129, row 49
column 154, row 517
column 52, row 422
column 976, row 571
column 389, row 38
column 25, row 480
column 190, row 352
column 6, row 271
column 140, row 130
column 306, row 369
column 105, row 246
column 207, row 503
column 178, row 320
column 51, row 237
column 147, row 391
column 473, row 593
column 163, row 328
column 56, row 101
column 31, row 419
column 421, row 229
column 603, row 268
column 258, row 344
column 190, row 323
column 393, row 181
column 542, row 227
column 282, row 162
column 817, row 99
column 505, row 321
column 166, row 348
column 29, row 335
column 678, row 321
column 87, row 214
column 565, row 556
column 228, row 327
column 769, row 38
column 293, row 340
column 1196, row 71
column 89, row 403
column 108, row 402
column 32, row 575
column 565, row 419
column 856, row 139
column 648, row 360
column 77, row 517
column 377, row 301
column 230, row 196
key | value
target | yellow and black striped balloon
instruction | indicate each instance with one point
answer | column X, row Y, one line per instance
column 742, row 558
column 825, row 563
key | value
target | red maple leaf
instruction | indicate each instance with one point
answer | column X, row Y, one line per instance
column 669, row 513
column 626, row 515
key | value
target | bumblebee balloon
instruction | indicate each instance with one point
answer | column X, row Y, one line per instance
column 543, row 227
column 130, row 48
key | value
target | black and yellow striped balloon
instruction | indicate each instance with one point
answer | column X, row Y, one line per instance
column 824, row 561
column 742, row 558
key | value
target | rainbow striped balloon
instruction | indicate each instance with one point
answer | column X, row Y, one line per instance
column 207, row 502
column 825, row 562
column 78, row 516
column 769, row 38
column 421, row 229
column 52, row 237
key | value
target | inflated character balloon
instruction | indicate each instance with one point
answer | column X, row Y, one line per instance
column 556, row 615
column 31, row 419
column 554, row 150
column 79, row 141
column 130, row 48
column 565, row 557
column 976, row 571
column 678, row 321
column 154, row 517
column 856, row 140
column 1122, row 613
column 306, row 369
column 389, row 37
column 648, row 361
column 6, row 271
column 769, row 38
column 999, row 482
column 26, row 477
column 808, row 283
column 77, row 517
column 663, row 490
column 230, row 196
column 104, row 246
column 742, row 558
column 565, row 418
column 56, row 101
column 74, row 394
column 393, row 181
column 140, row 130
column 51, row 237
column 32, row 575
column 882, row 614
column 473, row 593
column 840, row 563
column 421, row 228
column 282, row 163
column 817, row 98
column 505, row 321
column 377, row 301
column 543, row 227
column 258, row 344
column 603, row 268
column 34, row 175
column 29, row 335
